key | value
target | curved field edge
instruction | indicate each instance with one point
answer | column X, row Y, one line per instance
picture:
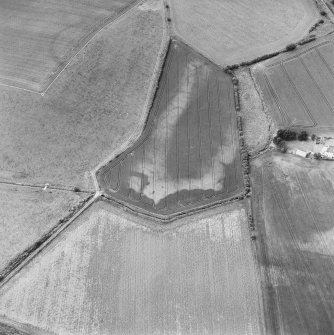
column 85, row 40
column 225, row 59
column 72, row 50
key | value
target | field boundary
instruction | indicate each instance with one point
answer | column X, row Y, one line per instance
column 237, row 193
column 22, row 259
column 82, row 43
column 48, row 186
column 167, row 218
column 152, row 91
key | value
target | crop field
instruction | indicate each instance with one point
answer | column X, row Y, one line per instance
column 189, row 151
column 27, row 213
column 89, row 111
column 293, row 208
column 298, row 87
column 233, row 31
column 109, row 274
column 39, row 37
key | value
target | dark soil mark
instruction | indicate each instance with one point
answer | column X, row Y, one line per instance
column 188, row 154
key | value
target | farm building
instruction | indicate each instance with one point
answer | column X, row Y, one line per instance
column 327, row 152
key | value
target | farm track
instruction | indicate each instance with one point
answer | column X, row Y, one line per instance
column 107, row 22
column 51, row 187
column 184, row 158
column 80, row 45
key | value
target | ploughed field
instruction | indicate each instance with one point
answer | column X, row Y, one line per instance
column 188, row 154
column 38, row 38
column 230, row 32
column 113, row 273
column 293, row 211
column 298, row 86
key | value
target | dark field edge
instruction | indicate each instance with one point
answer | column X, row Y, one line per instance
column 149, row 123
column 10, row 327
column 165, row 219
column 28, row 254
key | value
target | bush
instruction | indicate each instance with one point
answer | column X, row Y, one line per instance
column 323, row 13
column 302, row 136
column 283, row 147
column 291, row 47
column 287, row 134
column 317, row 155
column 76, row 189
column 313, row 136
column 277, row 140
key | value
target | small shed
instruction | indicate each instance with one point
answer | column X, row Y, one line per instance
column 301, row 153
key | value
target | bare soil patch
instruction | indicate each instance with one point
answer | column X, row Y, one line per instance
column 26, row 214
column 233, row 31
column 109, row 274
column 188, row 153
column 293, row 212
column 93, row 107
column 298, row 86
column 39, row 37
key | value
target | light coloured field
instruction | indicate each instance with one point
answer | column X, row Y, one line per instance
column 298, row 86
column 188, row 154
column 293, row 211
column 38, row 38
column 92, row 108
column 28, row 213
column 233, row 31
column 109, row 274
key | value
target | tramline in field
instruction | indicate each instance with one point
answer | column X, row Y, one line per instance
column 188, row 154
column 299, row 86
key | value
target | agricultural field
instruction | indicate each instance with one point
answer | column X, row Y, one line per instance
column 293, row 211
column 27, row 213
column 298, row 86
column 188, row 154
column 112, row 273
column 230, row 32
column 38, row 38
column 94, row 106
